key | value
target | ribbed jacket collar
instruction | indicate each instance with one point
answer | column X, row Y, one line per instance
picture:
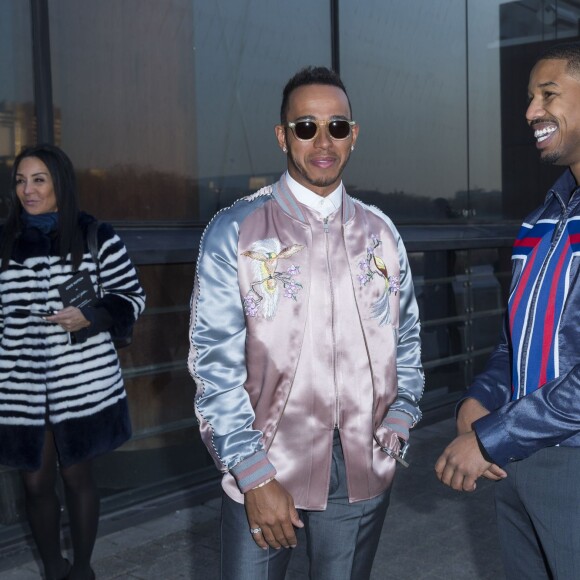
column 291, row 206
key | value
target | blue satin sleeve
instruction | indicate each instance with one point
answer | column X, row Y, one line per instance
column 410, row 376
column 544, row 418
column 493, row 387
column 217, row 359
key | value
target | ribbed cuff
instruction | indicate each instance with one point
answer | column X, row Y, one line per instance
column 399, row 422
column 253, row 471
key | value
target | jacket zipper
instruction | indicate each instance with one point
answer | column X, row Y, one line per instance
column 336, row 394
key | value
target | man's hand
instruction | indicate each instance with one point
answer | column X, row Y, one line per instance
column 462, row 463
column 271, row 508
column 469, row 412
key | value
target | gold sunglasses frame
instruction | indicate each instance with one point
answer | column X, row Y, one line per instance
column 292, row 125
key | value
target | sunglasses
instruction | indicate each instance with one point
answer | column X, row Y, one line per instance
column 338, row 129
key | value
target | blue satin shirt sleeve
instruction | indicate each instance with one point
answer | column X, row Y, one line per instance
column 217, row 349
column 493, row 387
column 544, row 418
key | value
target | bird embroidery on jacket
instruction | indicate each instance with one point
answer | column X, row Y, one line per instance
column 265, row 289
column 381, row 309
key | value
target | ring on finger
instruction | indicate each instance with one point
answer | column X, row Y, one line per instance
column 255, row 531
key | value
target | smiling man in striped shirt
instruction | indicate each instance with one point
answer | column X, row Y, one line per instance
column 519, row 423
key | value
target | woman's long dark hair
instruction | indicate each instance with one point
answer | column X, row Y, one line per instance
column 61, row 170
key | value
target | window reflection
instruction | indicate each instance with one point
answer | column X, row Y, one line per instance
column 17, row 120
column 525, row 21
column 245, row 51
column 407, row 83
column 123, row 82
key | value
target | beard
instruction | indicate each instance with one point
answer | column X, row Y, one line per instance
column 320, row 181
column 550, row 158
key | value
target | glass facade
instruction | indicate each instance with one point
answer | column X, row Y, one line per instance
column 410, row 98
column 123, row 85
column 243, row 52
column 17, row 122
column 168, row 111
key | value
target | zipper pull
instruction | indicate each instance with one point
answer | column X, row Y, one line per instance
column 558, row 229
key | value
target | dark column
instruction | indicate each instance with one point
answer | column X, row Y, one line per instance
column 42, row 74
column 335, row 36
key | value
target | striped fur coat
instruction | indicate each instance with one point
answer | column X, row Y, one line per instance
column 78, row 387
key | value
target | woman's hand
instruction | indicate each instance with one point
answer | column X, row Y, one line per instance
column 70, row 319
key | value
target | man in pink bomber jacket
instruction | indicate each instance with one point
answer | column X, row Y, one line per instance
column 306, row 354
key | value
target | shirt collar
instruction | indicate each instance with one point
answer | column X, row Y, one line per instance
column 565, row 187
column 325, row 206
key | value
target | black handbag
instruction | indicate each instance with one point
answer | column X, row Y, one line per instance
column 121, row 337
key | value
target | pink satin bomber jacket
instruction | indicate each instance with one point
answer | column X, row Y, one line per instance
column 300, row 326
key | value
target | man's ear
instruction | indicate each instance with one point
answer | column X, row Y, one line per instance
column 354, row 135
column 280, row 131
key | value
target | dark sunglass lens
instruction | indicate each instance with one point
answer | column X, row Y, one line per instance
column 339, row 129
column 305, row 130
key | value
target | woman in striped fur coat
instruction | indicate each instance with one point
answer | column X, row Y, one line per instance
column 62, row 399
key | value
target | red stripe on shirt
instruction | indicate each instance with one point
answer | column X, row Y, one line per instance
column 522, row 285
column 549, row 318
column 527, row 242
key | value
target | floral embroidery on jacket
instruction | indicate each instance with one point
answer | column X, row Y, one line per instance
column 381, row 309
column 265, row 289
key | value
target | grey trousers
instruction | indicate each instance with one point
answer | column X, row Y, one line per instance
column 538, row 516
column 341, row 540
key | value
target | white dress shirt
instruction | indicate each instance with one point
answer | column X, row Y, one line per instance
column 325, row 206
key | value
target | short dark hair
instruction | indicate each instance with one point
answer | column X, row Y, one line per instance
column 310, row 75
column 568, row 51
column 63, row 178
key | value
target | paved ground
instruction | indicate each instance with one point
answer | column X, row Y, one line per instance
column 431, row 533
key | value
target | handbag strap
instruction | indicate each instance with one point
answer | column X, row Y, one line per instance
column 93, row 245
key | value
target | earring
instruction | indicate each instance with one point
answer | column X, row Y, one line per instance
column 284, row 149
column 352, row 147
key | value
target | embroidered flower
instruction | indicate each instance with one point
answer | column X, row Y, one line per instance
column 291, row 289
column 367, row 273
column 291, row 286
column 394, row 284
column 250, row 305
